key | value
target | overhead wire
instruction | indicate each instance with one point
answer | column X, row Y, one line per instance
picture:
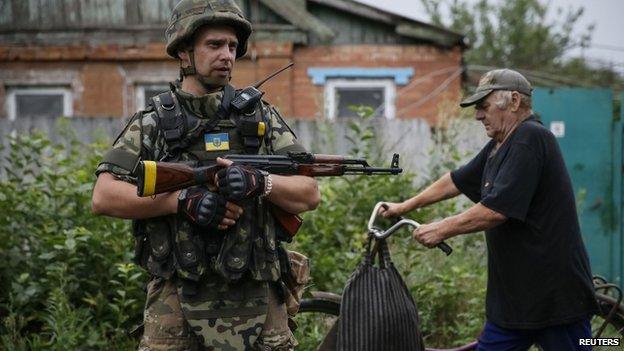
column 415, row 83
column 435, row 92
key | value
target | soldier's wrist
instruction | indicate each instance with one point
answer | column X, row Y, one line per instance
column 174, row 201
column 268, row 185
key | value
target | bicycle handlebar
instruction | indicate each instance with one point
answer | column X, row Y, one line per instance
column 379, row 233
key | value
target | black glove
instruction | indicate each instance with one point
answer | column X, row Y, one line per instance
column 201, row 206
column 240, row 182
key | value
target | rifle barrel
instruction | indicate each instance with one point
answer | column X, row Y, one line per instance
column 372, row 170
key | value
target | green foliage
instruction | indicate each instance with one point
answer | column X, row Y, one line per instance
column 449, row 291
column 69, row 283
column 65, row 287
column 518, row 34
column 514, row 33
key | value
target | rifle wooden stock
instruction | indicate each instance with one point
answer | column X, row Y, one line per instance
column 290, row 222
column 161, row 177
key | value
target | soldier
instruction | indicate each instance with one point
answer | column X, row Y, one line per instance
column 214, row 255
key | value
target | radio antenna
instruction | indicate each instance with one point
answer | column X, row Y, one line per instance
column 260, row 82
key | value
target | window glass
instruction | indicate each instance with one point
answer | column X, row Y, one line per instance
column 146, row 91
column 341, row 95
column 369, row 97
column 38, row 102
column 38, row 105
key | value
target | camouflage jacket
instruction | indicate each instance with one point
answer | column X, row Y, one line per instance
column 171, row 244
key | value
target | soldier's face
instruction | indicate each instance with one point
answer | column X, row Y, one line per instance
column 215, row 54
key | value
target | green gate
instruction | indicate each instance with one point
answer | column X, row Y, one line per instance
column 591, row 142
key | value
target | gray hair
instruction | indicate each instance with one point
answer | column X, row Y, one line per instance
column 503, row 99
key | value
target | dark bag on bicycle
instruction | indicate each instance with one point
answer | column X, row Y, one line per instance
column 377, row 310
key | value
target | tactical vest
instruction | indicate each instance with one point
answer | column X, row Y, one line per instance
column 171, row 244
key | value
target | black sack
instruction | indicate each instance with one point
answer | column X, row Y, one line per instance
column 377, row 311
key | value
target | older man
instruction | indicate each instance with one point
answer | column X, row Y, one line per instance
column 539, row 280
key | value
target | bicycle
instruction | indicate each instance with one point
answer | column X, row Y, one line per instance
column 323, row 308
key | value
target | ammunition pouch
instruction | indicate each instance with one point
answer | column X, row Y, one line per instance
column 295, row 276
column 153, row 246
column 254, row 250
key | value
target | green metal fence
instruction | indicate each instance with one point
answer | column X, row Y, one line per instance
column 591, row 141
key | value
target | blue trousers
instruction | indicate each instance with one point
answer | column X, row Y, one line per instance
column 557, row 338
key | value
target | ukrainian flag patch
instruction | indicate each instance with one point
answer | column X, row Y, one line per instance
column 217, row 142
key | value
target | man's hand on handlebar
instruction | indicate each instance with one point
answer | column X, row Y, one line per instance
column 394, row 209
column 430, row 234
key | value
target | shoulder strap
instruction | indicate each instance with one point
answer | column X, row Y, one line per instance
column 253, row 128
column 172, row 121
column 224, row 109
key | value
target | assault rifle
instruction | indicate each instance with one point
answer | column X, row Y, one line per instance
column 160, row 177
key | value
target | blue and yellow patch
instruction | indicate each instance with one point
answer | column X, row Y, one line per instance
column 217, row 142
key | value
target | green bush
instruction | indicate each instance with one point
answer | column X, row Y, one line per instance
column 68, row 280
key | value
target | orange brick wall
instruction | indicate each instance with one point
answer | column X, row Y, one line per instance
column 103, row 79
column 412, row 99
column 102, row 95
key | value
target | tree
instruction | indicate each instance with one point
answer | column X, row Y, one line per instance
column 519, row 34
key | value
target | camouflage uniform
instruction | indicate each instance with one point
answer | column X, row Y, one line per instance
column 210, row 289
column 223, row 314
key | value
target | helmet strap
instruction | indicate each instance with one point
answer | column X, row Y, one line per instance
column 190, row 70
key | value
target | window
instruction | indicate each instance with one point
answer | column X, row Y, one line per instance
column 145, row 91
column 367, row 86
column 39, row 102
column 379, row 94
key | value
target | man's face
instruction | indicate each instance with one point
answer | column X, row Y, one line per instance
column 215, row 54
column 494, row 119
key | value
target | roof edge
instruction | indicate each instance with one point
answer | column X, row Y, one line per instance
column 404, row 25
column 301, row 18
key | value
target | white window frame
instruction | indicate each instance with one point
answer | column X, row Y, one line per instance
column 140, row 92
column 388, row 85
column 68, row 108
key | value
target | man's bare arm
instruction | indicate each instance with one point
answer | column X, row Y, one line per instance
column 441, row 189
column 116, row 198
column 295, row 194
column 475, row 219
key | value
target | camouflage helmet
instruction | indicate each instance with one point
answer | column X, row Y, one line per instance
column 189, row 15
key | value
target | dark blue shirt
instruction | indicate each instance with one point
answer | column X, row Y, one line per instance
column 538, row 269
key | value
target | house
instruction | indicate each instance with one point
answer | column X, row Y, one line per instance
column 107, row 57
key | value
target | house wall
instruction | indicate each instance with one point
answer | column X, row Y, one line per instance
column 103, row 51
column 103, row 78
